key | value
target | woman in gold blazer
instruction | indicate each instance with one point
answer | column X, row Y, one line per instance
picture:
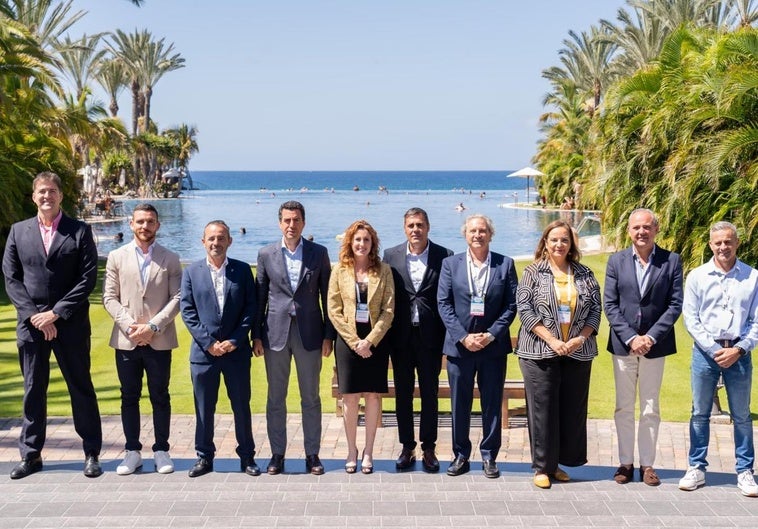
column 361, row 305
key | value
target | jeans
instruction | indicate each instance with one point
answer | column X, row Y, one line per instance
column 738, row 380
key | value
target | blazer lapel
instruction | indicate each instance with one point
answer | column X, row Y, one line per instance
column 655, row 271
column 629, row 271
column 307, row 260
column 61, row 234
column 401, row 264
column 155, row 265
column 285, row 275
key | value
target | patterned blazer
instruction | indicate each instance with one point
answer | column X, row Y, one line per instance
column 537, row 303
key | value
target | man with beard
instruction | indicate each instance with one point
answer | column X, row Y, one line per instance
column 141, row 293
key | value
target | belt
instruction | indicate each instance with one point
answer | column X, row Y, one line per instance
column 415, row 324
column 728, row 343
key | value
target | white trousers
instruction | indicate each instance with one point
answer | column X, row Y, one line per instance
column 631, row 372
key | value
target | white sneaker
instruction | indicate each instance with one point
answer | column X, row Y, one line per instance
column 163, row 463
column 693, row 479
column 132, row 462
column 746, row 483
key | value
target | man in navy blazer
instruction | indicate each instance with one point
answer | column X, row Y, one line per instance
column 293, row 280
column 642, row 300
column 416, row 336
column 477, row 303
column 50, row 268
column 217, row 303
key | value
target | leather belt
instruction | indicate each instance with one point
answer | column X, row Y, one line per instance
column 728, row 343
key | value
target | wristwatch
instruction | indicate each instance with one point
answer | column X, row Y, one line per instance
column 741, row 350
column 153, row 327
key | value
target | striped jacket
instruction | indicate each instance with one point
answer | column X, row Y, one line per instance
column 537, row 303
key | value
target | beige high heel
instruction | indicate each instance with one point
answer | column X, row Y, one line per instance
column 351, row 466
column 367, row 467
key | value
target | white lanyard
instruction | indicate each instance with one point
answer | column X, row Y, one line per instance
column 470, row 275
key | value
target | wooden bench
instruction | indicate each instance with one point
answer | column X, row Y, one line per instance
column 512, row 390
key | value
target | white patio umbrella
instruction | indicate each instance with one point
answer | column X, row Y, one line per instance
column 527, row 172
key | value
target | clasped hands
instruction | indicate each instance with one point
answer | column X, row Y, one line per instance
column 562, row 348
column 221, row 348
column 363, row 349
column 140, row 333
column 45, row 322
column 476, row 341
column 640, row 345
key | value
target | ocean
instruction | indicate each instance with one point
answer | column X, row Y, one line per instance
column 334, row 199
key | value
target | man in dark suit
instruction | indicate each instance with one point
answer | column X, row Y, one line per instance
column 217, row 303
column 293, row 280
column 477, row 303
column 50, row 268
column 643, row 299
column 416, row 336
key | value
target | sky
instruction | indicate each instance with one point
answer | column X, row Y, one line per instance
column 283, row 85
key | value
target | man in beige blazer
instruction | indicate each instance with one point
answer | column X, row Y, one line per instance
column 141, row 293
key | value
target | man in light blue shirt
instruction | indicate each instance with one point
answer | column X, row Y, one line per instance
column 721, row 313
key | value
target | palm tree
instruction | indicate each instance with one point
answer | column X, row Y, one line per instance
column 639, row 38
column 745, row 12
column 80, row 60
column 44, row 20
column 156, row 60
column 128, row 50
column 112, row 77
column 185, row 137
column 585, row 59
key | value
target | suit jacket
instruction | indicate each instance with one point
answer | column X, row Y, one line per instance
column 62, row 280
column 341, row 303
column 275, row 297
column 537, row 303
column 128, row 301
column 200, row 310
column 454, row 301
column 652, row 312
column 430, row 325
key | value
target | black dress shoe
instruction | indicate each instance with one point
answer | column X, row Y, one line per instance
column 201, row 467
column 27, row 466
column 92, row 468
column 275, row 465
column 406, row 459
column 430, row 462
column 490, row 468
column 313, row 465
column 459, row 466
column 250, row 467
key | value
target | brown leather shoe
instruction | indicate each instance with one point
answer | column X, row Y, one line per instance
column 649, row 477
column 624, row 474
column 430, row 462
column 406, row 459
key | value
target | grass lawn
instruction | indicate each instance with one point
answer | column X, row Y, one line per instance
column 675, row 392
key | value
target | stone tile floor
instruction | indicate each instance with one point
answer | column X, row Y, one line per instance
column 61, row 497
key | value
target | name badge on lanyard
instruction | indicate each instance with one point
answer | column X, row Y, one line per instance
column 477, row 290
column 564, row 314
column 477, row 306
column 361, row 309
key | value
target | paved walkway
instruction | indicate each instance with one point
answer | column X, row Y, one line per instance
column 61, row 497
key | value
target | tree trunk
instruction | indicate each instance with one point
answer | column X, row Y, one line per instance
column 135, row 105
column 148, row 94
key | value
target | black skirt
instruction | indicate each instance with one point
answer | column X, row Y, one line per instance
column 361, row 375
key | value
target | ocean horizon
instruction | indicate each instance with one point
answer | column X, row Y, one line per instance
column 251, row 199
